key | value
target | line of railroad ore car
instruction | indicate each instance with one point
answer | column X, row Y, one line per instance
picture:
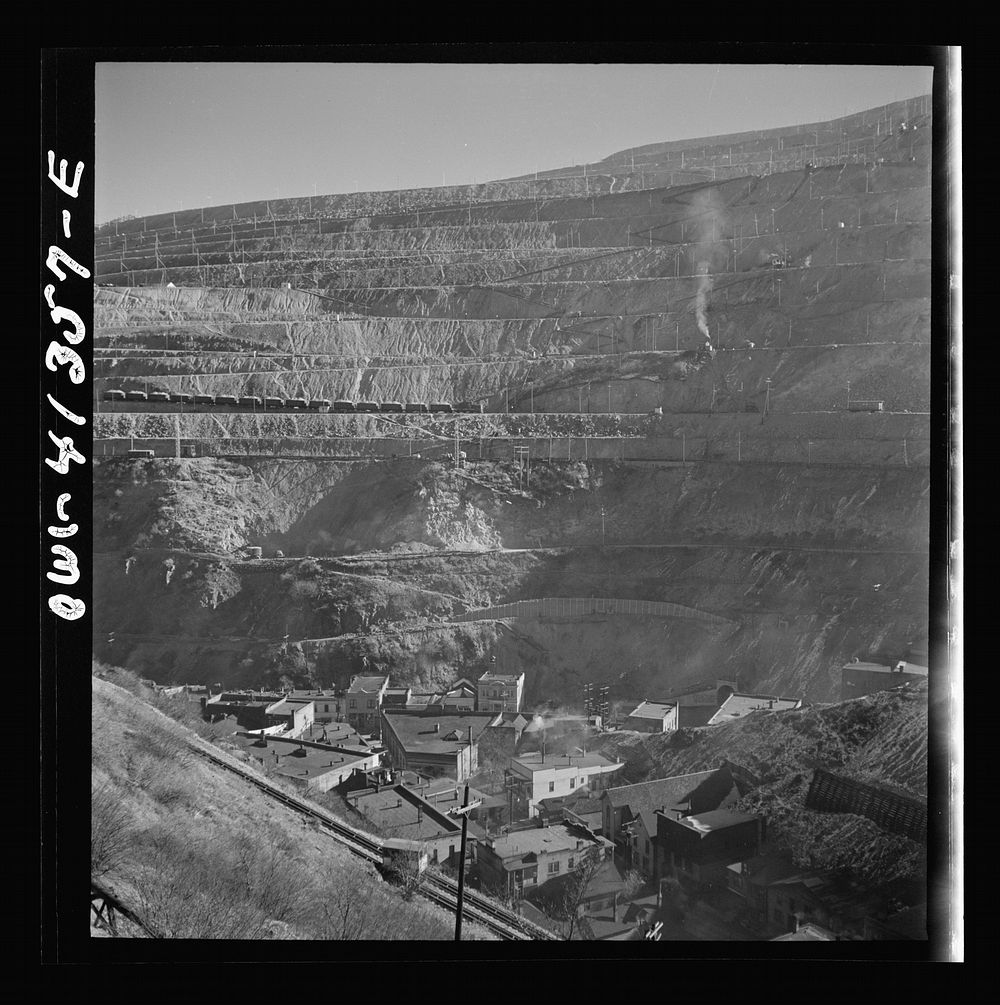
column 252, row 403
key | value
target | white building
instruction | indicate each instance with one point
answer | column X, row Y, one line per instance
column 551, row 776
column 738, row 705
column 500, row 692
column 653, row 717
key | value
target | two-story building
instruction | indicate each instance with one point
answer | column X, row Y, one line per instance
column 548, row 775
column 523, row 860
column 500, row 692
column 397, row 811
column 328, row 702
column 434, row 744
column 699, row 847
column 697, row 792
column 652, row 717
column 364, row 699
column 261, row 710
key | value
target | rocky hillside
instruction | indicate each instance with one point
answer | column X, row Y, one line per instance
column 881, row 739
column 747, row 286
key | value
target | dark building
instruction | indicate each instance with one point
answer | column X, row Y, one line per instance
column 698, row 847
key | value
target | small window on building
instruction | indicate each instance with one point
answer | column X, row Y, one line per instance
column 553, row 868
column 572, row 783
column 569, row 864
column 647, row 846
column 326, row 708
column 354, row 704
column 371, row 703
column 552, row 786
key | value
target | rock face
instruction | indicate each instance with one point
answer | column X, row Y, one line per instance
column 754, row 288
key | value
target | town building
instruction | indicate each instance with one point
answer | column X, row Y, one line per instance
column 260, row 710
column 364, row 699
column 652, row 717
column 857, row 679
column 579, row 808
column 317, row 766
column 460, row 697
column 842, row 905
column 751, row 880
column 328, row 702
column 526, row 859
column 500, row 692
column 698, row 847
column 543, row 775
column 400, row 812
column 738, row 705
column 434, row 744
column 446, row 795
column 693, row 793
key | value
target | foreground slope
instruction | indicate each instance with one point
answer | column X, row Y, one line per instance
column 197, row 853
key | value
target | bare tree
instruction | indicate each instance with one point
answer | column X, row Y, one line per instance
column 404, row 869
column 111, row 831
column 565, row 902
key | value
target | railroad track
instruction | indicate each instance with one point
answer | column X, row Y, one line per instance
column 438, row 889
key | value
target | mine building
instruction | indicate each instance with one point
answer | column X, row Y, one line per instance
column 859, row 678
column 652, row 717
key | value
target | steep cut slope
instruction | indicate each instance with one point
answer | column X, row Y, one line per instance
column 753, row 288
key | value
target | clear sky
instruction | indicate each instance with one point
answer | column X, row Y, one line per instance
column 181, row 135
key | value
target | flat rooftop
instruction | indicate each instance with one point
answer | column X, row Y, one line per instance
column 564, row 762
column 366, row 685
column 542, row 841
column 336, row 734
column 416, row 733
column 404, row 812
column 297, row 760
column 317, row 695
column 288, row 706
column 714, row 820
column 653, row 709
column 737, row 705
column 912, row 668
column 500, row 678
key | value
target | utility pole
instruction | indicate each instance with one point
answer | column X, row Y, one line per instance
column 463, row 811
column 602, row 527
column 767, row 398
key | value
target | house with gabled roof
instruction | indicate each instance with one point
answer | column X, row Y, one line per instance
column 695, row 792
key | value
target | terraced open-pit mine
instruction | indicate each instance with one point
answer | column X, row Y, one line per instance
column 693, row 375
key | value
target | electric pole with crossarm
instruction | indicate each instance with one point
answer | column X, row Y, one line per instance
column 462, row 811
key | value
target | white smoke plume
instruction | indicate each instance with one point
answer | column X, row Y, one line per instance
column 701, row 300
column 710, row 215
